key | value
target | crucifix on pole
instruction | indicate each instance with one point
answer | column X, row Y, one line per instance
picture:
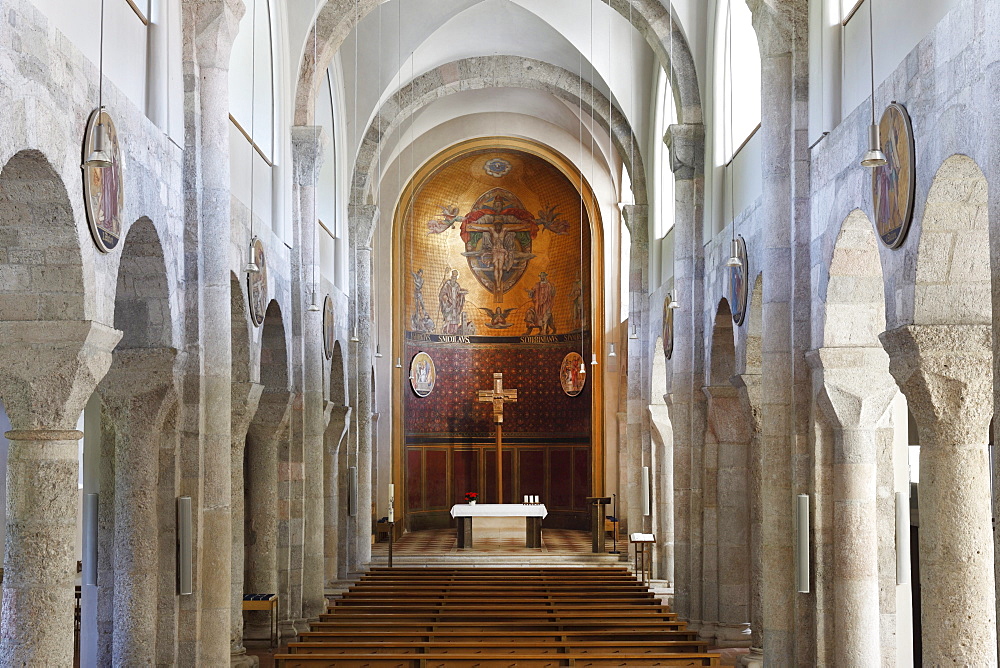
column 498, row 396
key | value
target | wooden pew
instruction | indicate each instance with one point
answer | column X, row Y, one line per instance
column 484, row 661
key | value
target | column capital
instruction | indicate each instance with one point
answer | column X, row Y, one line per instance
column 748, row 387
column 308, row 145
column 636, row 218
column 214, row 28
column 856, row 388
column 139, row 372
column 686, row 144
column 361, row 219
column 245, row 399
column 946, row 372
column 49, row 369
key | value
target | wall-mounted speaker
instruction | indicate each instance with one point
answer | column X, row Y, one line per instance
column 352, row 490
column 646, row 508
column 89, row 575
column 902, row 538
column 802, row 543
column 185, row 581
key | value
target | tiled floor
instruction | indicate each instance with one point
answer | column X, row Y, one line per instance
column 443, row 541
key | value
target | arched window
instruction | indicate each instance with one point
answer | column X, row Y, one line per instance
column 737, row 78
column 664, row 116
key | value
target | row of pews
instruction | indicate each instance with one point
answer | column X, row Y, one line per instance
column 485, row 617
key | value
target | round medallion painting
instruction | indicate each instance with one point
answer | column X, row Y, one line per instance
column 894, row 184
column 329, row 333
column 102, row 187
column 668, row 327
column 571, row 377
column 737, row 292
column 257, row 284
column 422, row 374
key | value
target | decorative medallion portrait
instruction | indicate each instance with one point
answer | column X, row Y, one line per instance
column 257, row 284
column 422, row 374
column 668, row 327
column 102, row 187
column 570, row 375
column 329, row 333
column 893, row 185
column 737, row 292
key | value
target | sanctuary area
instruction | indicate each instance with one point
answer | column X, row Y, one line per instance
column 493, row 332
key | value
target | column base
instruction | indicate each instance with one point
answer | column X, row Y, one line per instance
column 708, row 630
column 732, row 635
column 754, row 659
column 288, row 629
column 240, row 659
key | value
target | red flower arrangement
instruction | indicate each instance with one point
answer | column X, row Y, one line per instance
column 470, row 497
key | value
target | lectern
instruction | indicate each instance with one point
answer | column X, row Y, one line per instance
column 597, row 506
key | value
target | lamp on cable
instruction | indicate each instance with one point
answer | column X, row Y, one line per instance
column 673, row 303
column 734, row 258
column 313, row 306
column 612, row 353
column 378, row 351
column 251, row 266
column 399, row 363
column 873, row 157
column 99, row 157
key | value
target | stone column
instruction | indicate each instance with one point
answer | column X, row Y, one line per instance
column 946, row 372
column 269, row 426
column 774, row 35
column 686, row 144
column 210, row 26
column 748, row 389
column 708, row 546
column 729, row 422
column 245, row 398
column 48, row 373
column 637, row 444
column 663, row 441
column 307, row 153
column 137, row 393
column 856, row 391
column 363, row 220
column 336, row 432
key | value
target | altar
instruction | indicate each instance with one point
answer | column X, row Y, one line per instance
column 497, row 521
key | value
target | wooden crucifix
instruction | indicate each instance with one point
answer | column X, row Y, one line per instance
column 498, row 396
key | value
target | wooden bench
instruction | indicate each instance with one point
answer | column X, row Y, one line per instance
column 486, row 647
column 484, row 661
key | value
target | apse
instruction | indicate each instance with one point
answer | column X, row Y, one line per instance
column 495, row 276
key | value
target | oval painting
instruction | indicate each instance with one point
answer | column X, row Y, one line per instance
column 422, row 374
column 894, row 184
column 573, row 374
column 668, row 327
column 102, row 187
column 257, row 284
column 737, row 293
column 329, row 332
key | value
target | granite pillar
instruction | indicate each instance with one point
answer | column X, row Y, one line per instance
column 307, row 153
column 49, row 371
column 856, row 391
column 209, row 28
column 137, row 393
column 245, row 398
column 336, row 433
column 946, row 373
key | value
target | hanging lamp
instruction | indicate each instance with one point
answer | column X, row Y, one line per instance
column 99, row 157
column 734, row 261
column 251, row 266
column 873, row 157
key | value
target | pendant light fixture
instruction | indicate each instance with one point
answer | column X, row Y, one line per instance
column 673, row 302
column 873, row 157
column 399, row 363
column 313, row 301
column 734, row 261
column 612, row 353
column 251, row 266
column 99, row 157
column 378, row 189
column 357, row 38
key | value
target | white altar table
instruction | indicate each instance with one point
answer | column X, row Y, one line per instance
column 498, row 520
